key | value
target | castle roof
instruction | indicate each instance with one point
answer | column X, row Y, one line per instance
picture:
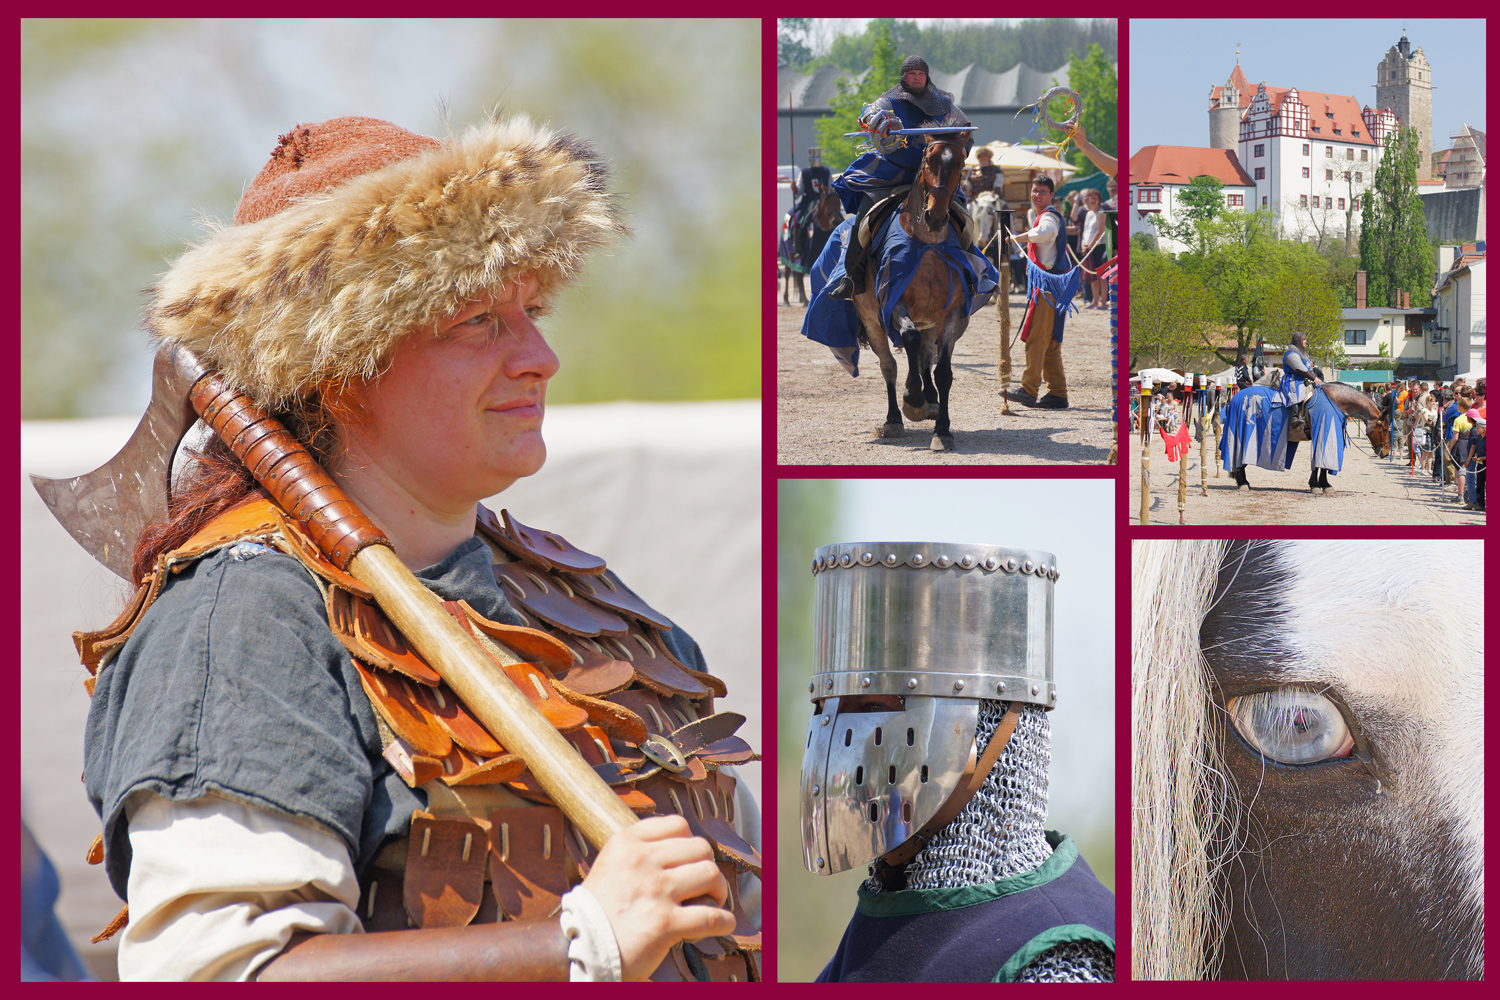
column 1180, row 164
column 1330, row 117
column 1336, row 116
column 1237, row 78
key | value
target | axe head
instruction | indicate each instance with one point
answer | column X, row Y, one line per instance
column 106, row 510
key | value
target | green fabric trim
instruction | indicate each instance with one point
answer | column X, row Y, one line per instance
column 906, row 902
column 1046, row 941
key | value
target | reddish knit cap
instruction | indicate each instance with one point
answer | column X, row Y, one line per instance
column 314, row 158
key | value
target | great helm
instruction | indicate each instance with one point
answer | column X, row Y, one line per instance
column 814, row 155
column 909, row 637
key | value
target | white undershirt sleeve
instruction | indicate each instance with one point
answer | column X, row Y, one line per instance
column 217, row 888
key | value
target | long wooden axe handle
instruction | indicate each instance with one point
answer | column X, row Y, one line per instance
column 283, row 466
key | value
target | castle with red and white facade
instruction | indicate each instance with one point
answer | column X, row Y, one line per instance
column 1306, row 156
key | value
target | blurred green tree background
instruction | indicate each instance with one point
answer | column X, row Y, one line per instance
column 133, row 132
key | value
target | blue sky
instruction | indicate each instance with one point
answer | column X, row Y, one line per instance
column 1174, row 62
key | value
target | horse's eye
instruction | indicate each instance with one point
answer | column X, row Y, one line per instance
column 1292, row 725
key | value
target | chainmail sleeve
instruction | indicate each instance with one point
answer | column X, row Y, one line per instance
column 1071, row 962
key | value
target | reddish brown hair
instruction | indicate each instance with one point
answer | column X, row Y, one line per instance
column 217, row 480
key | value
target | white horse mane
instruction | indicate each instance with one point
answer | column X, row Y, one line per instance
column 1177, row 777
column 1186, row 814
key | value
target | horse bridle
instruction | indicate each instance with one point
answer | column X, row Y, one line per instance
column 959, row 147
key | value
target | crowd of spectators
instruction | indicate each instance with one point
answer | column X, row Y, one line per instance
column 1440, row 429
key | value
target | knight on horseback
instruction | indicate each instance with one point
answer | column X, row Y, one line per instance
column 813, row 181
column 1298, row 380
column 893, row 164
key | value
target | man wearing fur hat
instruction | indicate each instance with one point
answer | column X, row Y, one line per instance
column 914, row 102
column 288, row 789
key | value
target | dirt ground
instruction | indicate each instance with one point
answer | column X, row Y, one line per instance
column 1369, row 490
column 824, row 417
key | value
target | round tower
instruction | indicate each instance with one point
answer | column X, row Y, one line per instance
column 1224, row 119
column 1403, row 83
column 1224, row 112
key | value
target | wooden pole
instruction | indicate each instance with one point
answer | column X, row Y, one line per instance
column 1182, row 464
column 1114, row 371
column 301, row 488
column 583, row 797
column 1202, row 434
column 1145, row 451
column 1005, row 345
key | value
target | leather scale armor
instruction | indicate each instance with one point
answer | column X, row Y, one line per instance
column 595, row 666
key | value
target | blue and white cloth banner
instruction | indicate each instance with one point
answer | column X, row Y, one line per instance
column 834, row 323
column 1060, row 288
column 1256, row 428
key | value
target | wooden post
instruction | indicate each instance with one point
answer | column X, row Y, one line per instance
column 1218, row 429
column 1202, row 383
column 1182, row 460
column 1114, row 370
column 1004, row 307
column 1145, row 451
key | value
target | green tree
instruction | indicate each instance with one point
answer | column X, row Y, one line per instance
column 1201, row 201
column 1393, row 244
column 885, row 66
column 1301, row 299
column 1093, row 76
column 1043, row 44
column 791, row 49
column 1237, row 258
column 1172, row 315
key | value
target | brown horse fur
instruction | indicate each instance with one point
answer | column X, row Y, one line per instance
column 930, row 314
column 322, row 291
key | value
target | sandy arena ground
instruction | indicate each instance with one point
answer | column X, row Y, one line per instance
column 824, row 417
column 1369, row 490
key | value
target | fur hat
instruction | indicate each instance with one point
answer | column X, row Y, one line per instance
column 357, row 232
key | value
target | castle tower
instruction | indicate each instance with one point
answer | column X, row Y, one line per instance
column 1224, row 111
column 1403, row 83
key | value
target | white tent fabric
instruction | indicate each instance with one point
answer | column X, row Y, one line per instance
column 668, row 493
column 1009, row 157
column 1157, row 375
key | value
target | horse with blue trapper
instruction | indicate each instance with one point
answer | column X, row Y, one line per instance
column 1264, row 423
column 919, row 282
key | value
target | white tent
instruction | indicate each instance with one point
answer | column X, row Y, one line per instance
column 1008, row 157
column 1157, row 375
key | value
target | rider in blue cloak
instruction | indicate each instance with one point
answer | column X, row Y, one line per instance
column 913, row 103
column 840, row 272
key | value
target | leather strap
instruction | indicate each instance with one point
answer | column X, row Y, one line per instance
column 283, row 466
column 968, row 786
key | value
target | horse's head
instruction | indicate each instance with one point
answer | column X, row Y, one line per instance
column 1309, row 801
column 1380, row 438
column 938, row 179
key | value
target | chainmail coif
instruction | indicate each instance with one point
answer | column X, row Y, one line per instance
column 999, row 834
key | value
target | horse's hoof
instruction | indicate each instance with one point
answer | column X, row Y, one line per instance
column 915, row 415
column 932, row 411
column 942, row 442
column 890, row 431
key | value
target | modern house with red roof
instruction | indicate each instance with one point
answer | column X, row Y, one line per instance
column 1158, row 175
